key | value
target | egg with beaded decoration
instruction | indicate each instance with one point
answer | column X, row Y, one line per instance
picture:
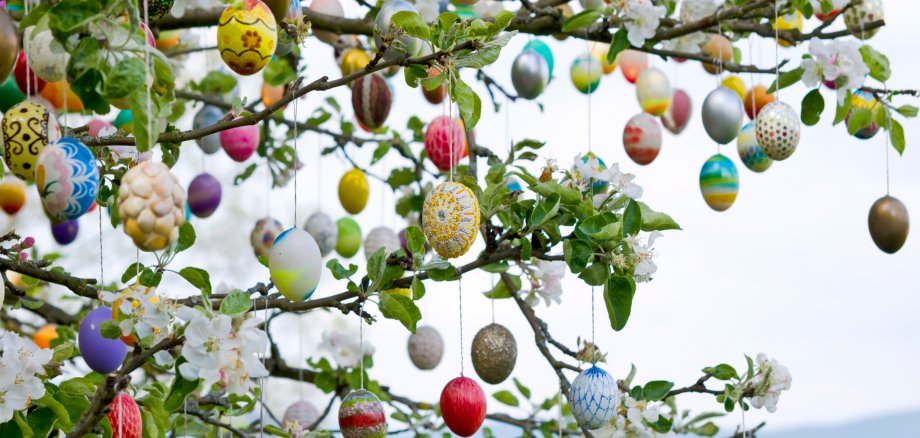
column 494, row 353
column 349, row 237
column 204, row 193
column 406, row 44
column 47, row 56
column 380, row 237
column 594, row 398
column 426, row 347
column 263, row 235
column 863, row 100
column 246, row 36
column 295, row 264
column 361, row 415
column 323, row 230
column 719, row 182
column 151, row 204
column 65, row 232
column 723, row 115
column 240, row 142
column 9, row 44
column 10, row 94
column 889, row 224
column 677, row 116
column 545, row 52
column 599, row 51
column 101, row 354
column 586, row 73
column 445, row 140
column 353, row 191
column 450, row 219
column 28, row 127
column 750, row 152
column 632, row 63
column 642, row 138
column 298, row 417
column 529, row 74
column 861, row 14
column 371, row 100
column 463, row 406
column 293, row 16
column 67, row 178
column 12, row 196
column 654, row 92
column 327, row 7
column 778, row 129
column 207, row 116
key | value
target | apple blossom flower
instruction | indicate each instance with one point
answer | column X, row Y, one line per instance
column 20, row 363
column 643, row 253
column 140, row 311
column 546, row 283
column 631, row 419
column 641, row 18
column 839, row 62
column 345, row 348
column 770, row 379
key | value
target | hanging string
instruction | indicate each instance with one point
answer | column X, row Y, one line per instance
column 743, row 426
column 121, row 417
column 319, row 173
column 591, row 182
column 147, row 77
column 493, row 298
column 450, row 135
column 262, row 380
column 25, row 50
column 296, row 162
column 361, row 340
column 776, row 43
column 460, row 299
column 887, row 146
column 559, row 402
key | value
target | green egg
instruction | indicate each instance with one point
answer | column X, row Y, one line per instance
column 349, row 237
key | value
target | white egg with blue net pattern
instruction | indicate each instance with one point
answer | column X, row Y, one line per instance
column 594, row 398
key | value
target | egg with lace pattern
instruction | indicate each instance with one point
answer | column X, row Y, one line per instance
column 125, row 417
column 28, row 127
column 67, row 178
column 151, row 204
column 450, row 219
column 298, row 417
column 246, row 36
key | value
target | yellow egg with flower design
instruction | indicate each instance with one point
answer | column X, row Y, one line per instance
column 246, row 36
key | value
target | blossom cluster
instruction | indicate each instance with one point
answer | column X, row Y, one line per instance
column 837, row 63
column 632, row 419
column 546, row 283
column 344, row 348
column 587, row 172
column 21, row 362
column 641, row 19
column 770, row 380
column 140, row 311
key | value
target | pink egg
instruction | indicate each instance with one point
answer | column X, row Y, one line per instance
column 240, row 142
column 642, row 138
column 445, row 138
column 677, row 116
column 95, row 126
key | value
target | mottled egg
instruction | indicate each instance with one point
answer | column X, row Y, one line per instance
column 47, row 57
column 349, row 240
column 361, row 415
column 125, row 417
column 352, row 60
column 67, row 178
column 594, row 398
column 298, row 417
column 755, row 99
column 240, row 142
column 405, row 44
column 26, row 79
column 654, row 92
column 642, row 138
column 103, row 355
column 719, row 182
column 12, row 195
column 426, row 347
column 863, row 100
column 529, row 74
column 380, row 237
column 27, row 128
column 450, row 219
column 494, row 353
column 323, row 230
column 599, row 51
column 445, row 140
column 263, row 235
column 295, row 264
column 207, row 116
column 722, row 115
column 632, row 63
column 10, row 94
column 151, row 204
column 65, row 232
column 862, row 14
column 750, row 152
column 544, row 51
column 9, row 44
column 586, row 73
column 353, row 191
column 328, row 7
column 463, row 406
column 889, row 224
column 246, row 37
column 778, row 129
column 204, row 194
column 677, row 116
column 371, row 101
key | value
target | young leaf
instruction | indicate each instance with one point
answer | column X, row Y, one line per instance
column 843, row 110
column 632, row 218
column 656, row 390
column 468, row 102
column 418, row 289
column 722, row 371
column 411, row 22
column 236, row 303
column 577, row 254
column 581, row 19
column 618, row 296
column 619, row 44
column 186, row 237
column 132, row 271
column 507, row 398
column 897, row 136
column 400, row 308
column 110, row 329
column 786, row 79
column 197, row 277
column 812, row 107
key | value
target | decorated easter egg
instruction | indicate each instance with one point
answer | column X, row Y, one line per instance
column 494, row 353
column 788, row 22
column 371, row 101
column 597, row 165
column 654, row 92
column 44, row 335
column 271, row 94
column 96, row 128
column 103, row 355
column 736, row 84
column 835, row 7
column 47, row 57
column 151, row 204
column 778, row 129
column 65, row 232
column 263, row 235
column 12, row 195
column 167, row 39
column 67, row 178
column 755, row 99
column 125, row 417
column 157, row 9
column 750, row 152
column 352, row 60
column 298, row 417
column 25, row 76
column 240, row 142
column 437, row 94
column 599, row 51
column 426, row 347
column 720, row 49
column 204, row 195
column 889, row 224
column 594, row 398
column 642, row 138
column 10, row 94
column 544, row 51
column 866, row 101
column 463, row 406
column 565, row 11
column 291, row 17
column 380, row 237
column 246, row 37
column 27, row 128
column 450, row 219
column 719, row 182
column 861, row 14
column 54, row 93
column 295, row 264
column 125, row 121
column 405, row 44
column 323, row 230
column 529, row 74
column 353, row 191
column 278, row 7
column 586, row 73
column 349, row 237
column 207, row 116
column 677, row 116
column 9, row 44
column 632, row 63
column 722, row 115
column 361, row 415
column 514, row 185
column 445, row 140
column 328, row 7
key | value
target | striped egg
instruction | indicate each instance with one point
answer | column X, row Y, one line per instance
column 654, row 92
column 642, row 138
column 450, row 219
column 67, row 178
column 361, row 415
column 719, row 182
column 750, row 152
column 371, row 100
column 594, row 398
column 586, row 73
column 27, row 128
column 246, row 37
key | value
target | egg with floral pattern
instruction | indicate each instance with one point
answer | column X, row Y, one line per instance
column 67, row 178
column 27, row 128
column 594, row 398
column 246, row 37
column 450, row 219
column 642, row 138
column 750, row 152
column 719, row 182
column 151, row 203
column 263, row 235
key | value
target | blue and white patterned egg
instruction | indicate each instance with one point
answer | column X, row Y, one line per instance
column 594, row 398
column 67, row 178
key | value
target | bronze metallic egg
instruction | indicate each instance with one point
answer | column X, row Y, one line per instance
column 889, row 224
column 494, row 353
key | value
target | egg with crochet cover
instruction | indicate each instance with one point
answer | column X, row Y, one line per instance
column 450, row 219
column 246, row 37
column 151, row 203
column 594, row 398
column 27, row 128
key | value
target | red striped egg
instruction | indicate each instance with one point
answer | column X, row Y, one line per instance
column 371, row 100
column 361, row 415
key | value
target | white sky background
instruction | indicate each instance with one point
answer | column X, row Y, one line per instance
column 789, row 270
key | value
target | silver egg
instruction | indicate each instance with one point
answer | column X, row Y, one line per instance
column 778, row 130
column 207, row 116
column 426, row 348
column 529, row 74
column 723, row 114
column 410, row 44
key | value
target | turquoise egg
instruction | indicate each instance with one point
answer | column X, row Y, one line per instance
column 750, row 152
column 719, row 182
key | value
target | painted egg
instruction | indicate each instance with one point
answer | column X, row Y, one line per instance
column 263, row 235
column 151, row 204
column 380, row 237
column 240, row 142
column 720, row 49
column 27, row 128
column 246, row 37
column 436, row 95
column 544, row 51
column 157, row 9
column 642, row 138
column 101, row 354
column 862, row 14
column 12, row 195
column 444, row 140
column 599, row 51
column 778, row 129
column 54, row 93
column 9, row 44
column 494, row 353
column 96, row 128
column 405, row 44
column 755, row 99
column 371, row 100
column 295, row 264
column 207, row 116
column 586, row 73
column 597, row 165
column 323, row 230
column 654, row 92
column 750, row 152
column 722, row 115
column 632, row 63
column 836, row 6
column 292, row 17
column 463, row 406
column 426, row 347
column 736, row 84
column 10, row 94
column 889, row 224
column 529, row 74
column 125, row 417
column 204, row 195
column 719, row 182
column 65, row 232
column 352, row 60
column 167, row 39
column 450, row 219
column 328, row 7
column 47, row 57
column 594, row 398
column 44, row 335
column 25, row 77
column 361, row 415
column 864, row 100
column 514, row 185
column 67, row 178
column 349, row 237
column 353, row 191
column 677, row 116
column 298, row 417
column 788, row 22
column 272, row 94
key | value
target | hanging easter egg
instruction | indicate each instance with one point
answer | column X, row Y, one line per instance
column 836, row 6
column 720, row 49
column 597, row 165
column 292, row 17
column 157, row 9
column 327, row 7
column 380, row 237
column 586, row 73
column 494, row 353
column 778, row 130
column 719, row 182
column 677, row 116
column 96, row 128
column 736, row 84
column 349, row 240
column 103, row 355
column 437, row 94
column 207, row 116
column 599, row 51
column 722, row 115
column 861, row 14
column 246, row 37
column 352, row 60
column 594, row 398
column 529, row 74
column 12, row 195
column 450, row 219
column 514, row 185
column 889, row 224
column 125, row 121
column 371, row 100
column 642, row 138
column 361, row 415
column 405, row 244
column 323, row 230
column 125, row 417
column 67, row 178
column 405, row 44
column 278, row 7
column 240, row 142
column 263, row 235
column 47, row 57
column 204, row 195
column 151, row 204
column 463, row 406
column 65, row 232
column 27, row 128
column 632, row 63
column 167, row 39
column 44, row 335
column 863, row 100
column 755, row 99
column 298, row 417
column 272, row 94
column 791, row 21
column 353, row 191
column 750, row 152
column 654, row 92
column 545, row 52
column 445, row 139
column 26, row 79
column 426, row 347
column 295, row 264
column 10, row 94
column 54, row 93
column 9, row 44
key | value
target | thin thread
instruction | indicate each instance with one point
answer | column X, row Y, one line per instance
column 319, row 173
column 743, row 426
column 593, row 343
column 590, row 91
column 559, row 402
column 147, row 77
column 25, row 50
column 776, row 43
column 719, row 61
column 361, row 337
column 450, row 135
column 121, row 417
column 262, row 380
column 300, row 355
column 493, row 298
column 460, row 299
column 593, row 348
column 296, row 162
column 887, row 146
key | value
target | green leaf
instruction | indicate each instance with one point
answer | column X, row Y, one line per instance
column 400, row 308
column 526, row 143
column 237, row 303
column 907, row 110
column 707, row 429
column 812, row 107
column 110, row 329
column 197, row 277
column 600, row 228
column 859, row 119
column 376, row 265
column 124, row 78
column 278, row 72
column 415, row 241
column 525, row 391
column 413, row 74
column 401, row 177
column 632, row 218
column 56, row 407
column 619, row 43
column 411, row 22
column 216, row 82
column 581, row 19
column 544, row 210
column 338, row 271
column 500, row 291
column 179, row 390
column 879, row 66
column 596, row 274
column 896, row 133
column 577, row 254
column 843, row 110
column 24, row 428
column 63, row 352
column 722, row 371
column 186, row 237
column 382, row 148
column 618, row 296
column 786, row 79
column 418, row 289
column 656, row 221
column 507, row 398
column 656, row 389
column 468, row 102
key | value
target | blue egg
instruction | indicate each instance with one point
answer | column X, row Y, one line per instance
column 514, row 185
column 67, row 178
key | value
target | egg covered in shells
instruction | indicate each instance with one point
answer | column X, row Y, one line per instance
column 445, row 140
column 778, row 129
column 151, row 204
column 494, row 353
column 642, row 138
column 380, row 237
column 371, row 100
column 67, row 178
column 323, row 230
column 361, row 415
column 47, row 56
column 263, row 235
column 594, row 398
column 9, row 44
column 750, row 152
column 353, row 191
column 719, row 182
column 246, row 37
column 298, row 417
column 450, row 219
column 426, row 347
column 586, row 73
column 295, row 264
column 27, row 128
column 861, row 14
column 207, row 116
column 654, row 92
column 678, row 114
column 349, row 240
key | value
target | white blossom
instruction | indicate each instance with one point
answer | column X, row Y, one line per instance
column 630, row 421
column 20, row 363
column 546, row 283
column 768, row 382
column 689, row 43
column 345, row 348
column 643, row 255
column 140, row 311
column 641, row 20
column 488, row 9
column 839, row 62
column 586, row 171
column 695, row 10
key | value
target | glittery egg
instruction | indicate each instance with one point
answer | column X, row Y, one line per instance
column 445, row 140
column 323, row 230
column 246, row 37
column 349, row 237
column 586, row 73
column 723, row 115
column 295, row 264
column 426, row 347
column 654, row 92
column 380, row 237
column 204, row 194
column 361, row 415
column 597, row 165
column 103, row 355
column 151, row 204
column 125, row 417
column 328, row 7
column 12, row 195
column 632, row 63
column 207, row 116
column 298, row 417
column 544, row 51
column 594, row 398
column 27, row 128
column 371, row 101
column 719, row 182
column 436, row 95
column 65, row 232
column 67, row 178
column 353, row 191
column 889, row 224
column 750, row 152
column 450, row 219
column 529, row 74
column 405, row 44
column 599, row 51
column 10, row 94
column 778, row 130
column 642, row 138
column 9, row 44
column 263, row 235
column 47, row 57
column 240, row 142
column 755, row 99
column 720, row 49
column 463, row 406
column 352, row 60
column 26, row 79
column 494, row 353
column 864, row 100
column 677, row 116
column 862, row 14
column 125, row 121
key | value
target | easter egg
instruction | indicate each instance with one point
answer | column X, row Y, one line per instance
column 494, row 353
column 263, row 235
column 889, row 224
column 405, row 244
column 352, row 60
column 597, row 165
column 586, row 73
column 594, row 398
column 565, row 11
column 328, row 7
column 295, row 264
column 271, row 94
column 204, row 195
column 445, row 139
column 157, row 9
column 101, row 354
column 125, row 121
column 778, row 129
column 151, row 205
column 736, row 84
column 125, row 417
column 26, row 79
column 720, row 49
column 632, row 63
column 246, row 37
column 298, row 417
column 96, row 128
column 278, row 7
column 719, row 182
column 167, row 39
column 10, row 94
column 47, row 57
column 207, row 116
column 44, row 335
column 450, row 219
column 405, row 44
column 722, row 115
column 835, row 7
column 27, row 128
column 599, row 51
column 788, row 22
column 642, row 138
column 353, row 191
column 240, row 142
column 67, row 178
column 463, row 406
column 863, row 100
column 291, row 17
column 371, row 101
column 654, row 92
column 750, row 152
column 862, row 14
column 544, row 51
column 323, row 230
column 755, row 99
column 677, row 116
column 529, row 74
column 380, row 237
column 65, row 232
column 12, row 195
column 437, row 94
column 9, row 44
column 361, row 415
column 426, row 347
column 514, row 185
column 349, row 237
column 54, row 93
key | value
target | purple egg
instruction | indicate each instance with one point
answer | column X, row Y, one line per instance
column 204, row 195
column 65, row 232
column 102, row 355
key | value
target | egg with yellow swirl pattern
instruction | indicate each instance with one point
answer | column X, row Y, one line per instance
column 450, row 219
column 246, row 37
column 27, row 128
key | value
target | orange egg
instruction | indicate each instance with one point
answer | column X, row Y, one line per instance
column 760, row 99
column 718, row 47
column 12, row 195
column 44, row 336
column 167, row 39
column 53, row 93
column 272, row 94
